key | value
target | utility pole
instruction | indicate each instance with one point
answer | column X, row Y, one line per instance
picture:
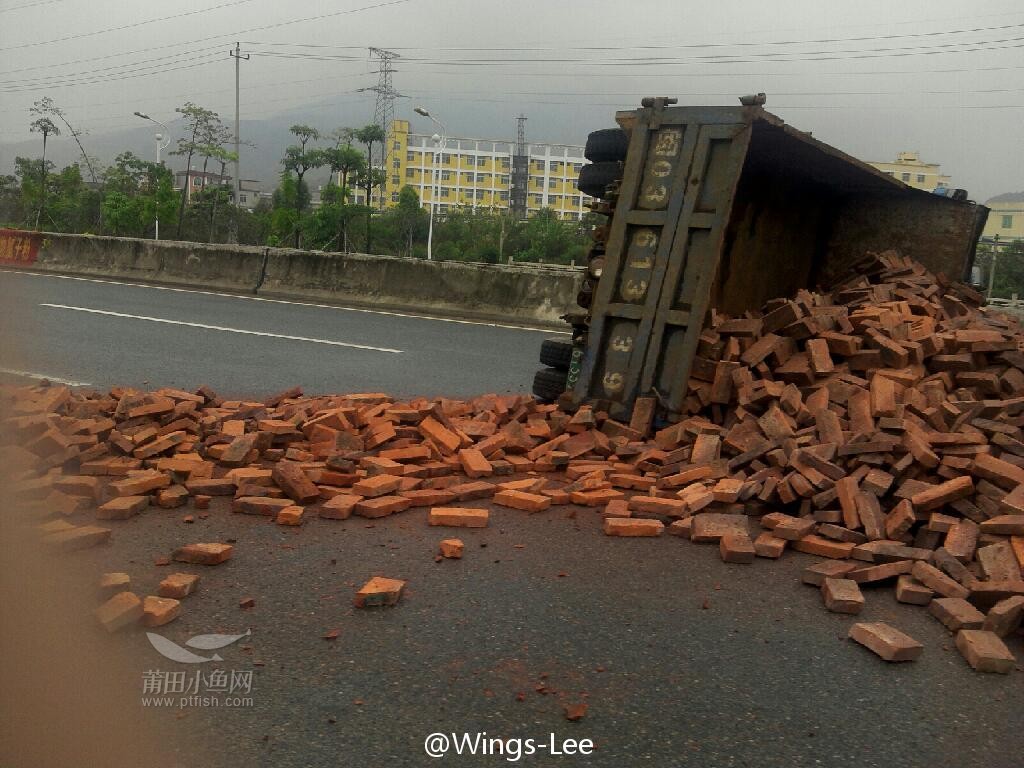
column 237, row 56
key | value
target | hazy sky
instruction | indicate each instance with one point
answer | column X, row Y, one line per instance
column 872, row 77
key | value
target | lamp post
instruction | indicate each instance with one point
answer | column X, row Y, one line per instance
column 992, row 266
column 442, row 142
column 159, row 138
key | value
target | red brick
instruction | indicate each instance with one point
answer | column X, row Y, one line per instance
column 158, row 611
column 842, row 595
column 944, row 493
column 291, row 515
column 937, row 581
column 452, row 548
column 178, row 585
column 767, row 545
column 378, row 485
column 290, row 478
column 381, row 506
column 886, row 641
column 709, row 527
column 816, row 574
column 458, row 517
column 379, row 591
column 528, row 502
column 822, row 547
column 339, row 507
column 259, row 505
column 120, row 611
column 122, row 507
column 596, row 498
column 1005, row 617
column 911, row 591
column 143, row 482
column 628, row 526
column 736, row 548
column 984, row 651
column 474, row 464
column 955, row 613
column 112, row 583
column 204, row 554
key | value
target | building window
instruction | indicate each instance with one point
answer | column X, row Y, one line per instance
column 410, row 156
column 446, row 175
column 397, row 145
column 442, row 208
column 241, row 198
column 446, row 159
column 905, row 176
column 551, row 183
column 408, row 173
column 556, row 166
column 196, row 181
column 444, row 191
column 481, row 178
column 920, row 178
column 479, row 194
column 394, row 197
column 396, row 163
column 576, row 167
column 479, row 161
column 1007, row 222
column 506, row 163
column 503, row 180
column 394, row 179
column 503, row 195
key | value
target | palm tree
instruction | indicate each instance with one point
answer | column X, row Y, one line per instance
column 369, row 135
column 344, row 161
column 45, row 126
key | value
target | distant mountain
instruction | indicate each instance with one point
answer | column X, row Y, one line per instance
column 270, row 136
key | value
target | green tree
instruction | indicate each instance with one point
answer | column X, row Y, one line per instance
column 46, row 107
column 409, row 218
column 345, row 161
column 199, row 126
column 369, row 135
column 45, row 126
column 299, row 160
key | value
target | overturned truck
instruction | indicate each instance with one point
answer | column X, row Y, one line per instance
column 723, row 208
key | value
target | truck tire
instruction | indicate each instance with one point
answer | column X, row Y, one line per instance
column 606, row 144
column 556, row 353
column 596, row 177
column 549, row 384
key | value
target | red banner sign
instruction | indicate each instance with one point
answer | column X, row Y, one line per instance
column 18, row 247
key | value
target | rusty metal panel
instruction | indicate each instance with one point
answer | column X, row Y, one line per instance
column 680, row 173
column 693, row 264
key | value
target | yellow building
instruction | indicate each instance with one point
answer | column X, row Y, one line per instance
column 1006, row 217
column 912, row 171
column 477, row 173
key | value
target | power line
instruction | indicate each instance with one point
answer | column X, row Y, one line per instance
column 661, row 46
column 157, row 71
column 45, row 81
column 29, row 5
column 123, row 27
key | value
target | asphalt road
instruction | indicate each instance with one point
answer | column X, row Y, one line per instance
column 94, row 333
column 682, row 659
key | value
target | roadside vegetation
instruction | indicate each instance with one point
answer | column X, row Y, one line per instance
column 127, row 197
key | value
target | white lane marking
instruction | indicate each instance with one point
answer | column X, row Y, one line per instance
column 54, row 379
column 530, row 328
column 220, row 328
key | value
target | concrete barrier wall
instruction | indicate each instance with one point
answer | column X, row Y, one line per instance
column 508, row 293
column 523, row 293
column 167, row 262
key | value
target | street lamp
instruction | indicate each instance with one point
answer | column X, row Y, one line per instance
column 159, row 137
column 442, row 141
column 992, row 267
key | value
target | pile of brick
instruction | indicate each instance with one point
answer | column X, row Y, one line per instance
column 878, row 426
